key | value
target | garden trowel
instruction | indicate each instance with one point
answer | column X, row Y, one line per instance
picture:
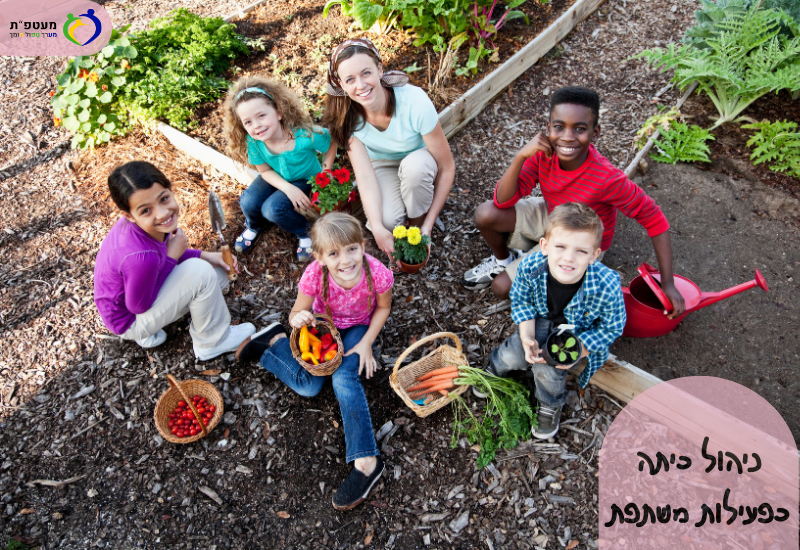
column 217, row 217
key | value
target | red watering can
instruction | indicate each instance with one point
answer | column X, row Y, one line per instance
column 645, row 302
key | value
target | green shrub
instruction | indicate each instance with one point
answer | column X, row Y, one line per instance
column 682, row 143
column 778, row 143
column 745, row 59
column 181, row 59
column 88, row 91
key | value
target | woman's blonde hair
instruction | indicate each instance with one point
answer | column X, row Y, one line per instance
column 337, row 230
column 294, row 115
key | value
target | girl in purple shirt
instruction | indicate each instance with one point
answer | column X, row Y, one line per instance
column 146, row 276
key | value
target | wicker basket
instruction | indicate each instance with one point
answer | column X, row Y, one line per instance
column 442, row 356
column 184, row 391
column 324, row 327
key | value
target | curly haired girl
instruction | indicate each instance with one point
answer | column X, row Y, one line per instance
column 267, row 126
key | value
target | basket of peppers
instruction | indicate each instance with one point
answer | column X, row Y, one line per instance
column 318, row 349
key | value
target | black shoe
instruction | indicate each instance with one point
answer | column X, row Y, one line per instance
column 254, row 347
column 488, row 369
column 356, row 487
column 548, row 419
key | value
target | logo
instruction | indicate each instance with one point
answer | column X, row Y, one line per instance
column 74, row 23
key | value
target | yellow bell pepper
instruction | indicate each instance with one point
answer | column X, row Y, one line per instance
column 308, row 357
column 303, row 342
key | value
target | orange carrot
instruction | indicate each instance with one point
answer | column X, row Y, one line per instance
column 443, row 370
column 441, row 378
column 430, row 383
column 440, row 386
column 443, row 392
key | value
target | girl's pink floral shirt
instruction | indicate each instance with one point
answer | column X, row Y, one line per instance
column 348, row 307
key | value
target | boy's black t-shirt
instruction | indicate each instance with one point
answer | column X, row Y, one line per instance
column 558, row 297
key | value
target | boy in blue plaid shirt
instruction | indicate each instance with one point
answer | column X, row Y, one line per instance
column 562, row 284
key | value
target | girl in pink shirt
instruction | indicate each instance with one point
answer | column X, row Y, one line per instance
column 355, row 290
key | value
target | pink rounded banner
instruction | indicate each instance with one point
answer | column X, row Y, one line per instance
column 53, row 27
column 699, row 463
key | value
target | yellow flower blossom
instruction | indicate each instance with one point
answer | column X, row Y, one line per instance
column 413, row 230
column 414, row 238
column 399, row 232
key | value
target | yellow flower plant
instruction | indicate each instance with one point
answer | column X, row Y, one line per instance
column 410, row 245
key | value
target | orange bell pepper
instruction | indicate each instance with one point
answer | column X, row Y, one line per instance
column 331, row 353
column 316, row 349
column 308, row 357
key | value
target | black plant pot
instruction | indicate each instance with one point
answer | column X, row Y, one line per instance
column 560, row 339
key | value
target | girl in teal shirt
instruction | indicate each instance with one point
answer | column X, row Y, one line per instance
column 268, row 127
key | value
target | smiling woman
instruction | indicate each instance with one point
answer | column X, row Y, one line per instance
column 391, row 132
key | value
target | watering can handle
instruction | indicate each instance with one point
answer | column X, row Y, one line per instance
column 646, row 271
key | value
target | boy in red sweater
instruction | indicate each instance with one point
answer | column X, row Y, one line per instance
column 575, row 173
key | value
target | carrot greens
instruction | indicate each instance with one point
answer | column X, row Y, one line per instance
column 507, row 417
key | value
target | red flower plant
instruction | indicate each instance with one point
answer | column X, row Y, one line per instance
column 105, row 88
column 352, row 196
column 341, row 174
column 323, row 179
column 52, row 94
column 326, row 197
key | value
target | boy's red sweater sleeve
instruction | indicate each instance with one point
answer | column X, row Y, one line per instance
column 634, row 203
column 528, row 179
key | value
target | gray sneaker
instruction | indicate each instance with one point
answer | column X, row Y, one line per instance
column 153, row 340
column 482, row 275
column 488, row 369
column 548, row 419
column 236, row 335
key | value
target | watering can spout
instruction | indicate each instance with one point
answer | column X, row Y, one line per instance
column 708, row 298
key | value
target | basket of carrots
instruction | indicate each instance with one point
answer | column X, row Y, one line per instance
column 428, row 384
column 318, row 349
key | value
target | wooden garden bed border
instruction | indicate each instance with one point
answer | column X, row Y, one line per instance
column 618, row 378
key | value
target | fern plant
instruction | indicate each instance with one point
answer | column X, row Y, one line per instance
column 778, row 143
column 682, row 143
column 745, row 60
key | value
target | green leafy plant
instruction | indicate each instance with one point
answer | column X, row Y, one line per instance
column 506, row 420
column 682, row 143
column 659, row 121
column 180, row 64
column 712, row 13
column 88, row 91
column 381, row 13
column 14, row 544
column 745, row 59
column 410, row 245
column 561, row 352
column 332, row 188
column 777, row 143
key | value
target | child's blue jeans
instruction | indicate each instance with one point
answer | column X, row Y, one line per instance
column 358, row 436
column 551, row 383
column 262, row 203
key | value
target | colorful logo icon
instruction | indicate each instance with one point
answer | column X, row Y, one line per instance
column 73, row 23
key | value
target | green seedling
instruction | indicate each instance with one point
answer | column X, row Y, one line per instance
column 564, row 350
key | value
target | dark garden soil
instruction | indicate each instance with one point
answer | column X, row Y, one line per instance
column 298, row 42
column 76, row 404
column 731, row 139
